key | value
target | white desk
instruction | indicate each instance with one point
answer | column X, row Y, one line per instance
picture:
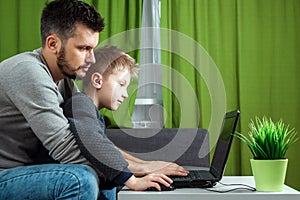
column 288, row 193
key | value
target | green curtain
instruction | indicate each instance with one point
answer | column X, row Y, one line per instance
column 20, row 26
column 254, row 45
column 268, row 67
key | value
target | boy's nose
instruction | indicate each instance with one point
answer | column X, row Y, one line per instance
column 125, row 94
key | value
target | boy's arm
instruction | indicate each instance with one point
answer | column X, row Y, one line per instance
column 141, row 167
column 93, row 144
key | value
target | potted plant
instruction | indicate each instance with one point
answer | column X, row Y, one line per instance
column 268, row 143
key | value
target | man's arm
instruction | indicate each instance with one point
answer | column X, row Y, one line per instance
column 141, row 167
column 36, row 102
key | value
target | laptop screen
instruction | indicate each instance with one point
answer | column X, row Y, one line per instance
column 224, row 143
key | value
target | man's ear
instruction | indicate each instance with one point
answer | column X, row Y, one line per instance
column 53, row 43
column 96, row 80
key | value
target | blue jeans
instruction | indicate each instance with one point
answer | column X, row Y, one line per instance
column 52, row 181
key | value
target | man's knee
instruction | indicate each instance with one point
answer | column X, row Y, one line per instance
column 54, row 181
column 89, row 184
column 82, row 181
column 89, row 177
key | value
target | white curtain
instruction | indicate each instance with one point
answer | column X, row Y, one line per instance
column 148, row 110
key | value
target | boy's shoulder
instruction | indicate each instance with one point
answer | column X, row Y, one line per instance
column 78, row 101
column 79, row 95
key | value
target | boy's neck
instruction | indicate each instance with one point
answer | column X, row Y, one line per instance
column 93, row 95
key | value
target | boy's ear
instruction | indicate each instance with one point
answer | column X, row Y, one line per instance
column 96, row 80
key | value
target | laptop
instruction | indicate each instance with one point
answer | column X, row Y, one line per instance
column 206, row 178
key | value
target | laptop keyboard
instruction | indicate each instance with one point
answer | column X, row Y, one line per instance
column 194, row 175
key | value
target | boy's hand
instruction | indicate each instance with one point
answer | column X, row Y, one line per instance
column 151, row 180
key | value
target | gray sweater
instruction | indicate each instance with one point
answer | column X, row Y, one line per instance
column 89, row 131
column 32, row 123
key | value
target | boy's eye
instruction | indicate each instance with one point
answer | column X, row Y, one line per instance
column 123, row 83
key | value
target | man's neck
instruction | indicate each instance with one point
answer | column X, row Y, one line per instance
column 50, row 60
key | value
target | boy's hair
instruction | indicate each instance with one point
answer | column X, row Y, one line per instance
column 110, row 59
column 61, row 16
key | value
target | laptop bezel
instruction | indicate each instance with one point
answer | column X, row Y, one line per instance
column 233, row 114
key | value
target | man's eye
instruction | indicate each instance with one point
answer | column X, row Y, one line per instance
column 84, row 48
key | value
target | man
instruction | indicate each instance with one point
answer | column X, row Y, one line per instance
column 32, row 124
column 34, row 134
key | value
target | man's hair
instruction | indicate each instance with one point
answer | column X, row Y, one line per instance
column 110, row 59
column 61, row 16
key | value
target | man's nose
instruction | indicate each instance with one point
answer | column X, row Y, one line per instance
column 91, row 58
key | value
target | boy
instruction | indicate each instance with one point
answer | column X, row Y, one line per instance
column 105, row 86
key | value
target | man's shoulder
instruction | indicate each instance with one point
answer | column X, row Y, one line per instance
column 26, row 61
column 30, row 56
column 82, row 100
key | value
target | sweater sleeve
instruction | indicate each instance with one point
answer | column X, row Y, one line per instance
column 94, row 145
column 35, row 101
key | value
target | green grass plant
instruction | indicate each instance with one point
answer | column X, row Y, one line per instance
column 268, row 140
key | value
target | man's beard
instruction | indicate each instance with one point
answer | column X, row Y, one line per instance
column 62, row 64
